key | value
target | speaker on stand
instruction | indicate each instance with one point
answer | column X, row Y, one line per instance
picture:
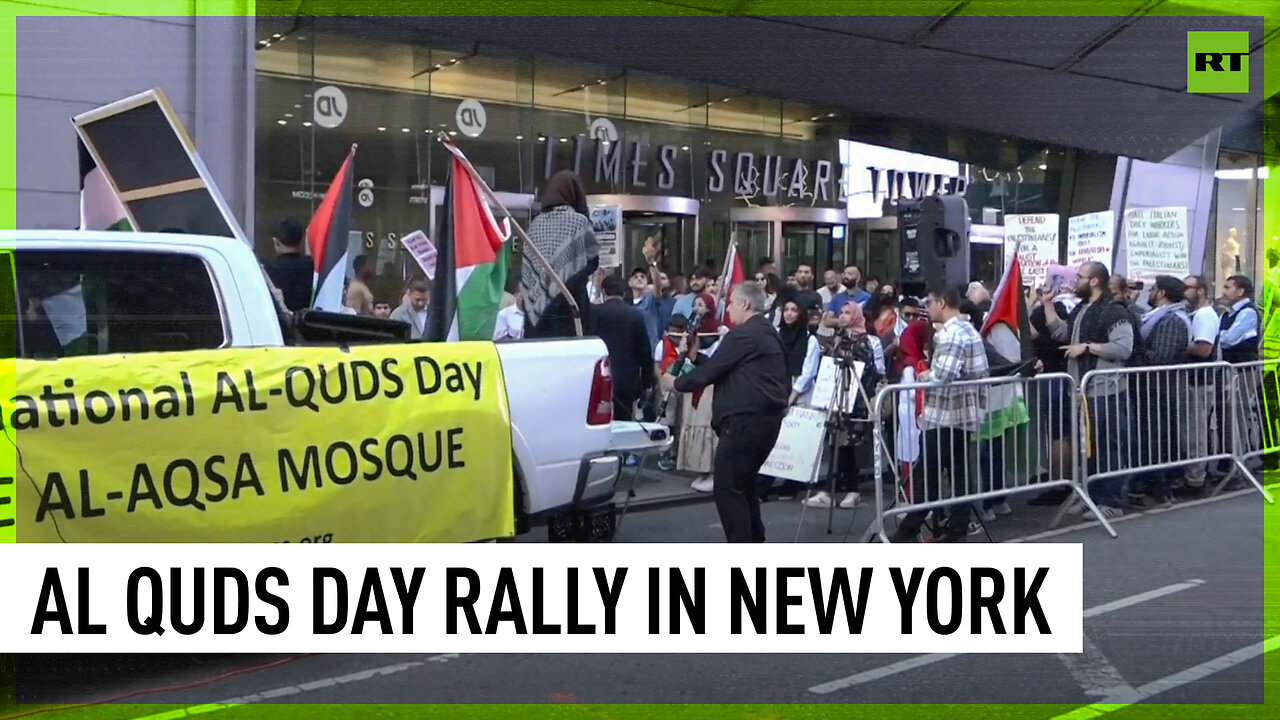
column 934, row 241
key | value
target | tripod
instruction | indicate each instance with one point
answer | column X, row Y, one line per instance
column 842, row 423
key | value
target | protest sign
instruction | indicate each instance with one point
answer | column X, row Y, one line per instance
column 422, row 251
column 1062, row 278
column 1156, row 243
column 1038, row 235
column 796, row 453
column 824, row 388
column 1090, row 238
column 606, row 223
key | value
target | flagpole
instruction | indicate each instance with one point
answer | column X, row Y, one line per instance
column 724, row 272
column 526, row 244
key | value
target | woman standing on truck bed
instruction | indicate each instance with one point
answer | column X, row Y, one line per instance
column 562, row 233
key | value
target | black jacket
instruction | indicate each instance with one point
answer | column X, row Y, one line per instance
column 294, row 274
column 749, row 372
column 621, row 327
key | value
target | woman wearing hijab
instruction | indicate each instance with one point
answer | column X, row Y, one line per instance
column 852, row 332
column 798, row 328
column 562, row 233
column 785, row 294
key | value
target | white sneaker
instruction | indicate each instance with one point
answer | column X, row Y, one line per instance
column 850, row 500
column 1002, row 508
column 819, row 499
column 988, row 515
column 1107, row 512
column 703, row 484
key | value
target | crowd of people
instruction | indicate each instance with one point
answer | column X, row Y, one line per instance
column 722, row 365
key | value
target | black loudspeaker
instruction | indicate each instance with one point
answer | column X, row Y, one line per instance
column 934, row 237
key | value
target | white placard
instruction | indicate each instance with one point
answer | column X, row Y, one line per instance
column 515, row 598
column 422, row 251
column 796, row 454
column 1155, row 241
column 1039, row 237
column 606, row 223
column 824, row 388
column 1091, row 238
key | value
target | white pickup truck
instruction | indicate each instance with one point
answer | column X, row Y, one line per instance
column 168, row 292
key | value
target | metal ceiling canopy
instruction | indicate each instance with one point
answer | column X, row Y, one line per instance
column 1107, row 84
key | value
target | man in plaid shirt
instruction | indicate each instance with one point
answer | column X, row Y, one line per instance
column 951, row 414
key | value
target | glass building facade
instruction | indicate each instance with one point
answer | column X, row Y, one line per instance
column 690, row 164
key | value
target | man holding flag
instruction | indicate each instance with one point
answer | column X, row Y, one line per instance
column 1007, row 333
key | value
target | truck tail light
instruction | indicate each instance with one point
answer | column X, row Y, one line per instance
column 600, row 406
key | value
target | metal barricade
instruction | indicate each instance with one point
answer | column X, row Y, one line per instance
column 1007, row 447
column 1145, row 428
column 1253, row 401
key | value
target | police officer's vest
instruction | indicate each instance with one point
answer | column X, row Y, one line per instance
column 1246, row 351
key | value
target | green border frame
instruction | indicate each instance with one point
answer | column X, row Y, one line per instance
column 10, row 10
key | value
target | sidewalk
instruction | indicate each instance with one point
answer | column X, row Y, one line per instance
column 656, row 488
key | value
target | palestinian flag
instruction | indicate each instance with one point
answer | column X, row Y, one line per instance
column 733, row 277
column 1009, row 307
column 100, row 209
column 472, row 261
column 327, row 238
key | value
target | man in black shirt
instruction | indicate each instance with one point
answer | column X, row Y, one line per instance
column 292, row 271
column 749, row 371
column 1052, row 399
column 622, row 329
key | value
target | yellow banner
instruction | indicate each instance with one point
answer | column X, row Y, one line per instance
column 388, row 443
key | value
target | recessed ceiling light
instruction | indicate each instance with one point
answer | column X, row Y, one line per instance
column 306, row 123
column 381, row 129
column 296, row 105
column 453, row 133
column 686, row 149
column 282, row 122
column 519, row 137
column 404, row 129
column 564, row 139
column 1042, row 166
column 288, row 115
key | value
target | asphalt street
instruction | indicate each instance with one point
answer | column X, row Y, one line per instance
column 1174, row 613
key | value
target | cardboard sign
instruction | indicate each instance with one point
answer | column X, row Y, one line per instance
column 606, row 223
column 824, row 388
column 796, row 454
column 1038, row 235
column 1091, row 238
column 420, row 247
column 1156, row 243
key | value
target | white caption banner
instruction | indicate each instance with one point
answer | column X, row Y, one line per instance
column 488, row 598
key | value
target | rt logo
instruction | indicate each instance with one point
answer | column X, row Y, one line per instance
column 1218, row 62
